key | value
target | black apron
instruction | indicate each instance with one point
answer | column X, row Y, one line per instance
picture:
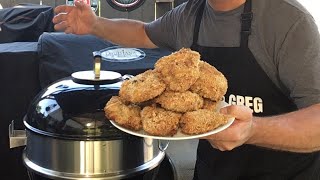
column 249, row 85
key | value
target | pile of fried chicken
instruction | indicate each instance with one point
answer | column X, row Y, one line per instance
column 181, row 92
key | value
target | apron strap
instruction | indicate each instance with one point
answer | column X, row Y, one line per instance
column 198, row 22
column 246, row 19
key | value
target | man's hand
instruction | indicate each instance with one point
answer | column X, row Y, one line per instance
column 78, row 19
column 238, row 133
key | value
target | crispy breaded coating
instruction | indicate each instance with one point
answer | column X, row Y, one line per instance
column 159, row 122
column 180, row 101
column 142, row 87
column 125, row 115
column 187, row 89
column 201, row 121
column 211, row 84
column 209, row 104
column 180, row 69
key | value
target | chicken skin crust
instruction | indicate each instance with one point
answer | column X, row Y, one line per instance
column 180, row 69
column 180, row 101
column 125, row 115
column 209, row 104
column 159, row 122
column 211, row 84
column 142, row 87
column 201, row 121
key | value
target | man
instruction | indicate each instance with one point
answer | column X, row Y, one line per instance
column 268, row 50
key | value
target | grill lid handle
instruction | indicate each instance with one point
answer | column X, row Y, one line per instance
column 96, row 64
column 96, row 76
column 17, row 138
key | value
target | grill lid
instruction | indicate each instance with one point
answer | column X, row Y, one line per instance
column 72, row 107
column 70, row 110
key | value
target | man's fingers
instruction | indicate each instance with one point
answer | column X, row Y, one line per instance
column 81, row 5
column 59, row 18
column 222, row 146
column 69, row 30
column 61, row 26
column 62, row 9
column 239, row 112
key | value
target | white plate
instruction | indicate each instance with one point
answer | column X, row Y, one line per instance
column 179, row 135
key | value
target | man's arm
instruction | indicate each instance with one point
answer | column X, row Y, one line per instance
column 297, row 131
column 80, row 19
column 124, row 32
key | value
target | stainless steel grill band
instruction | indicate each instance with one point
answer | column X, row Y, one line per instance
column 65, row 159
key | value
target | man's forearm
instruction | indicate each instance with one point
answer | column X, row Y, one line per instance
column 125, row 32
column 297, row 131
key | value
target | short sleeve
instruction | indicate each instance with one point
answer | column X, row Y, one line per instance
column 299, row 62
column 163, row 31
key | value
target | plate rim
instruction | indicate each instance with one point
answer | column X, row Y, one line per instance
column 185, row 137
column 174, row 137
